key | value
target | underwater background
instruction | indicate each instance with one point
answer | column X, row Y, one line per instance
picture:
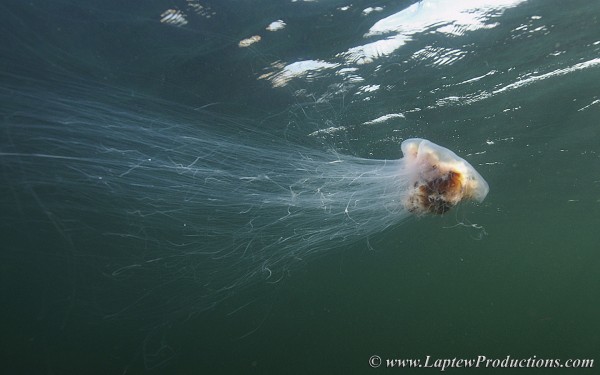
column 513, row 86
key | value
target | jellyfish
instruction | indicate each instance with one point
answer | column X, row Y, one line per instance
column 153, row 195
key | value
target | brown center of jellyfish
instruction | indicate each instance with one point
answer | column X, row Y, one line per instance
column 440, row 194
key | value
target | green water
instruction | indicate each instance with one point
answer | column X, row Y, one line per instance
column 512, row 86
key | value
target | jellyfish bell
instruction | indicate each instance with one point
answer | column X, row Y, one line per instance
column 438, row 179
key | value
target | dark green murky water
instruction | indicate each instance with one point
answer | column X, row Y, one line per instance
column 121, row 255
